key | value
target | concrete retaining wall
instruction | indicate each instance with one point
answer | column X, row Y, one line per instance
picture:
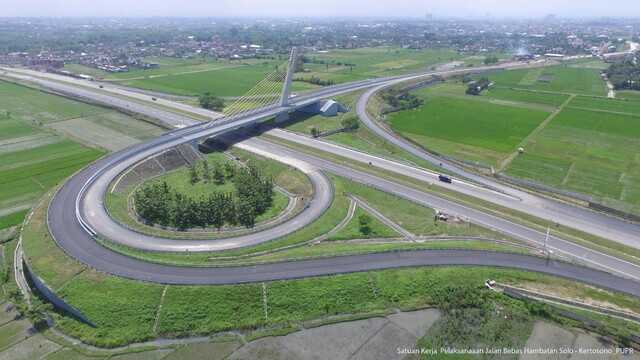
column 52, row 297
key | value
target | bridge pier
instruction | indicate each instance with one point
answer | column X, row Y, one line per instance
column 282, row 117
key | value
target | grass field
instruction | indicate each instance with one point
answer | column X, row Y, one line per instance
column 622, row 106
column 192, row 77
column 25, row 175
column 629, row 95
column 471, row 130
column 13, row 219
column 44, row 138
column 40, row 169
column 560, row 78
column 525, row 96
column 372, row 62
column 37, row 107
column 167, row 66
column 593, row 152
column 588, row 145
column 227, row 81
column 353, row 230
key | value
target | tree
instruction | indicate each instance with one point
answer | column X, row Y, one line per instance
column 398, row 100
column 246, row 212
column 365, row 224
column 215, row 214
column 211, row 102
column 315, row 132
column 183, row 215
column 229, row 209
column 165, row 204
column 229, row 170
column 476, row 87
column 206, row 172
column 350, row 123
column 624, row 75
column 200, row 213
column 299, row 64
column 158, row 203
column 491, row 59
column 218, row 175
column 153, row 203
column 193, row 175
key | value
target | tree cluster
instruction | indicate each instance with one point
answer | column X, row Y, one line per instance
column 491, row 59
column 350, row 123
column 477, row 87
column 398, row 100
column 625, row 75
column 364, row 222
column 211, row 102
column 159, row 203
column 316, row 81
column 314, row 60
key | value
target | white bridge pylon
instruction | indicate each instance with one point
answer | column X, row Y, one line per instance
column 274, row 89
column 286, row 89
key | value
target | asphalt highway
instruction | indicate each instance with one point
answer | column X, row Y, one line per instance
column 98, row 218
column 556, row 244
column 74, row 234
column 77, row 243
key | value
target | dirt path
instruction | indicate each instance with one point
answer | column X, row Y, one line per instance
column 504, row 163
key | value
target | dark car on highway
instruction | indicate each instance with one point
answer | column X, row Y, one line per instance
column 444, row 178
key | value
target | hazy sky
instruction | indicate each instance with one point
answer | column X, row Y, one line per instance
column 498, row 8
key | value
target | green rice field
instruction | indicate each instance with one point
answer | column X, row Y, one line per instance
column 471, row 130
column 38, row 107
column 45, row 138
column 559, row 79
column 526, row 96
column 357, row 64
column 628, row 94
column 588, row 145
column 623, row 106
column 192, row 77
column 226, row 81
column 587, row 151
column 25, row 175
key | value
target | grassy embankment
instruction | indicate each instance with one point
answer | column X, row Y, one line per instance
column 127, row 311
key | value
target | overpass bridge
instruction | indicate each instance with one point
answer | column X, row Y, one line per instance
column 71, row 215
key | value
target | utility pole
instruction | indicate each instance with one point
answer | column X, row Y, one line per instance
column 286, row 90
